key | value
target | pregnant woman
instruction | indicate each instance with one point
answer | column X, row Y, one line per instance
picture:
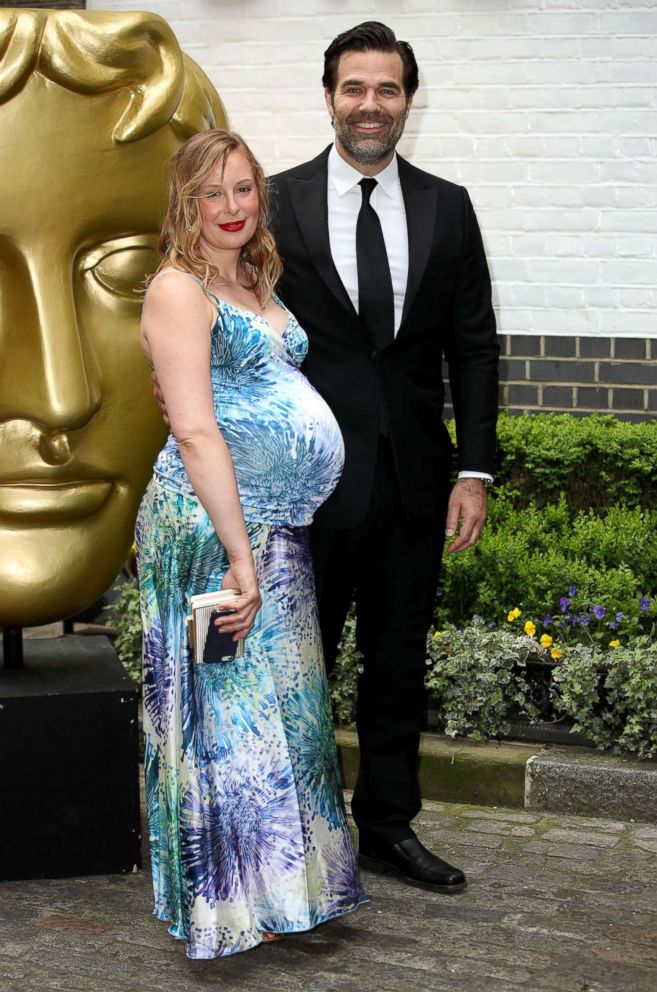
column 247, row 828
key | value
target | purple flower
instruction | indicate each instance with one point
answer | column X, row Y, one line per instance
column 439, row 592
column 574, row 621
column 564, row 603
column 645, row 603
column 619, row 617
column 490, row 626
column 548, row 620
column 572, row 591
column 613, row 625
column 583, row 619
column 599, row 612
column 476, row 618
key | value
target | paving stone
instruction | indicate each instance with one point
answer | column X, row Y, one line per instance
column 605, row 826
column 483, row 827
column 468, row 840
column 644, row 833
column 647, row 845
column 505, row 816
column 566, row 851
column 545, row 911
column 581, row 837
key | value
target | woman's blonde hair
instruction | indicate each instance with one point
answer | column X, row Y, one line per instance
column 190, row 167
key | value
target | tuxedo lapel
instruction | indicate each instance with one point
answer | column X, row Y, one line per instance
column 420, row 204
column 310, row 204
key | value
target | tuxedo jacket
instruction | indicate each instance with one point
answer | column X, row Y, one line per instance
column 447, row 311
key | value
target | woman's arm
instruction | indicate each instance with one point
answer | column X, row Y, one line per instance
column 176, row 323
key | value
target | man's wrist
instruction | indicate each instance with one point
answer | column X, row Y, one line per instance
column 483, row 477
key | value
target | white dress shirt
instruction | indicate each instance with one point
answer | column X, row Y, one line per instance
column 344, row 202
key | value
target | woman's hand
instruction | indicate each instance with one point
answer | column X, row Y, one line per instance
column 241, row 576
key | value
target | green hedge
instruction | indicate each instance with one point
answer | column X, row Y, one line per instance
column 597, row 461
column 529, row 558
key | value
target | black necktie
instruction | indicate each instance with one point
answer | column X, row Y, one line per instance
column 376, row 302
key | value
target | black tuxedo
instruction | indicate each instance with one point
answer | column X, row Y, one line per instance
column 447, row 309
column 380, row 535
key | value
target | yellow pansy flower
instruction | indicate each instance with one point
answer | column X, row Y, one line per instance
column 513, row 615
column 556, row 653
column 438, row 633
column 546, row 641
column 530, row 628
column 614, row 644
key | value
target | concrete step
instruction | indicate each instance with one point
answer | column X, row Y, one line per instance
column 545, row 777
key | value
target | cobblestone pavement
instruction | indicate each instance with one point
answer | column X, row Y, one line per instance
column 554, row 903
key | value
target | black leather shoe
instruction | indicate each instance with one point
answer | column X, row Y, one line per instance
column 411, row 861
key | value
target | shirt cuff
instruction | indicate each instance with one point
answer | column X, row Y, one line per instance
column 477, row 475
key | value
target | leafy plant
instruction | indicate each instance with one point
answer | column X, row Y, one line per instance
column 343, row 682
column 477, row 678
column 125, row 615
column 611, row 695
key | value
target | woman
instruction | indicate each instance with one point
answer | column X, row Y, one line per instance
column 247, row 828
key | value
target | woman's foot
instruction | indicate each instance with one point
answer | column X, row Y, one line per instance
column 269, row 938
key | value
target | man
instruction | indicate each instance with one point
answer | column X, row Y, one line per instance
column 384, row 268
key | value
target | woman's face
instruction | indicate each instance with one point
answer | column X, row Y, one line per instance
column 229, row 205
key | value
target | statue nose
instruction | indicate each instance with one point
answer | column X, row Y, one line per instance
column 49, row 373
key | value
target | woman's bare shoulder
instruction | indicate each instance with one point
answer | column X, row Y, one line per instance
column 172, row 280
column 173, row 288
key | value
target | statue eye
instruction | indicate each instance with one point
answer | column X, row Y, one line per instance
column 120, row 267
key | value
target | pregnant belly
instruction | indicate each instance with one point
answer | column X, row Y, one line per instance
column 287, row 459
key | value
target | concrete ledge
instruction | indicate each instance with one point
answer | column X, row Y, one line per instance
column 556, row 779
column 591, row 783
column 491, row 774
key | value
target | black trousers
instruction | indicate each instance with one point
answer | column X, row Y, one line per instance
column 392, row 567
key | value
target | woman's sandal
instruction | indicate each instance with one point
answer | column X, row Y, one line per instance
column 270, row 938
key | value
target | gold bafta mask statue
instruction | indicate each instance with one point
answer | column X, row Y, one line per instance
column 92, row 106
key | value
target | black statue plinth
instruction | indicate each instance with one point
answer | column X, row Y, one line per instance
column 68, row 762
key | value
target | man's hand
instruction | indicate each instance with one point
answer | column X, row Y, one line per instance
column 159, row 398
column 466, row 513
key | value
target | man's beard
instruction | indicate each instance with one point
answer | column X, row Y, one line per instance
column 369, row 151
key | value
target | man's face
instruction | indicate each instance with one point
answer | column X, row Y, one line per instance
column 369, row 107
column 79, row 217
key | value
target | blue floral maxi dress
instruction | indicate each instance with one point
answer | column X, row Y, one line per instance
column 246, row 821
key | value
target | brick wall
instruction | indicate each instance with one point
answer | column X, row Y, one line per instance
column 581, row 375
column 545, row 109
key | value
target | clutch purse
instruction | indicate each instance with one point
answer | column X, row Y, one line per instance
column 209, row 644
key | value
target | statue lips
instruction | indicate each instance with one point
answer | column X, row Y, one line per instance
column 43, row 501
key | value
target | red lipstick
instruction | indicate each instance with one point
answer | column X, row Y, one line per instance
column 235, row 225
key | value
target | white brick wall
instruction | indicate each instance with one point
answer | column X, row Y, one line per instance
column 545, row 109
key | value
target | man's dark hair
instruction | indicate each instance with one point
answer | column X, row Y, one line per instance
column 371, row 36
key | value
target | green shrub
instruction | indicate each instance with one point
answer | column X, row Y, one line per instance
column 597, row 461
column 529, row 558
